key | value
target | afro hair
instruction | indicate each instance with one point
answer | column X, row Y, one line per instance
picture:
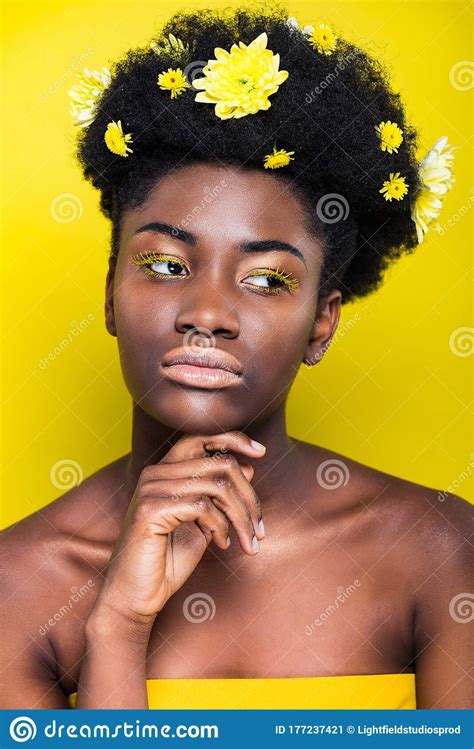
column 326, row 112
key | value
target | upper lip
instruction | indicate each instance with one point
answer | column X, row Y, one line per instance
column 203, row 357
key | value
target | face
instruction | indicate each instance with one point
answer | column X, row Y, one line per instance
column 216, row 261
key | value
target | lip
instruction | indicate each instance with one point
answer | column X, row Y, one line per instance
column 202, row 367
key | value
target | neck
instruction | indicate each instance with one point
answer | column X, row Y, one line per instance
column 152, row 440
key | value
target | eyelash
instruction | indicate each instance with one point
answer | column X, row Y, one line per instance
column 145, row 259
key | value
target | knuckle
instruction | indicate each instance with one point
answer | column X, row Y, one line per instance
column 145, row 508
column 203, row 503
column 227, row 461
column 148, row 473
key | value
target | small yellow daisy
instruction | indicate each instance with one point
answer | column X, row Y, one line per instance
column 277, row 159
column 395, row 187
column 115, row 139
column 173, row 81
column 323, row 39
column 390, row 136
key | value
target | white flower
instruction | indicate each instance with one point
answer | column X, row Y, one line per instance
column 436, row 175
column 306, row 30
column 85, row 95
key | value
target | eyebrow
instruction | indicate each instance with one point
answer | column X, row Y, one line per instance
column 264, row 245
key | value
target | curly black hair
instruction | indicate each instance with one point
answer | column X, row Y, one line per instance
column 326, row 112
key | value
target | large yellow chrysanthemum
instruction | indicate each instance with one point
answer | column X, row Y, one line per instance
column 437, row 178
column 239, row 82
column 86, row 93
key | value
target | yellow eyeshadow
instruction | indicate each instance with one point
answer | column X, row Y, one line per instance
column 143, row 258
column 290, row 281
column 147, row 258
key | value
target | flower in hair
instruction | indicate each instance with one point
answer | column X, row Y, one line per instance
column 176, row 51
column 437, row 178
column 395, row 187
column 173, row 81
column 323, row 39
column 239, row 82
column 115, row 139
column 292, row 22
column 85, row 94
column 278, row 159
column 390, row 135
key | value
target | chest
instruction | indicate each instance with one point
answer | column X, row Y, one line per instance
column 274, row 617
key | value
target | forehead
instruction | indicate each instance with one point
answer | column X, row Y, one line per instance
column 238, row 203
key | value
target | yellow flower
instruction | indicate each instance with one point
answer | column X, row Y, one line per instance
column 437, row 178
column 278, row 158
column 390, row 136
column 174, row 49
column 85, row 94
column 323, row 39
column 173, row 81
column 292, row 22
column 239, row 82
column 395, row 187
column 116, row 141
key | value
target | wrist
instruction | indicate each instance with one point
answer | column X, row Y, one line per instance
column 105, row 623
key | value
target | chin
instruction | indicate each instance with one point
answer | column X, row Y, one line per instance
column 197, row 411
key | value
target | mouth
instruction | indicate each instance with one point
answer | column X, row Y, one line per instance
column 206, row 368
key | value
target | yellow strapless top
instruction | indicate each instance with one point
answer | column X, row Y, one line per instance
column 367, row 691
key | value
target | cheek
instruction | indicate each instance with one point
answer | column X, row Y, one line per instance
column 275, row 344
column 140, row 318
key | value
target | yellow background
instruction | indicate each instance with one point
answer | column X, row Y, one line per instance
column 390, row 392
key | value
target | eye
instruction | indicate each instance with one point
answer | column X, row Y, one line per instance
column 161, row 266
column 272, row 281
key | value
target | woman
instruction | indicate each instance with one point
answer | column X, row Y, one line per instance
column 257, row 177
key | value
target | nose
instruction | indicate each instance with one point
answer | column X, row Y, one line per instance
column 207, row 308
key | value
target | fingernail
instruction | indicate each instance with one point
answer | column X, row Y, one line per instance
column 257, row 445
column 227, row 542
column 261, row 527
column 255, row 544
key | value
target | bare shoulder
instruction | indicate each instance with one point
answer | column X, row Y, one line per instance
column 52, row 560
column 83, row 518
column 426, row 526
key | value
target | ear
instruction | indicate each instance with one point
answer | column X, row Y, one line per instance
column 109, row 298
column 324, row 327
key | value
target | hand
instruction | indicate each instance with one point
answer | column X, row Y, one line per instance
column 179, row 505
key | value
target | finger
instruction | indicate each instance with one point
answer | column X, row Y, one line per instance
column 246, row 493
column 188, row 471
column 222, row 495
column 195, row 446
column 166, row 515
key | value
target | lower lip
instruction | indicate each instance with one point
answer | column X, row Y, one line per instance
column 202, row 377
